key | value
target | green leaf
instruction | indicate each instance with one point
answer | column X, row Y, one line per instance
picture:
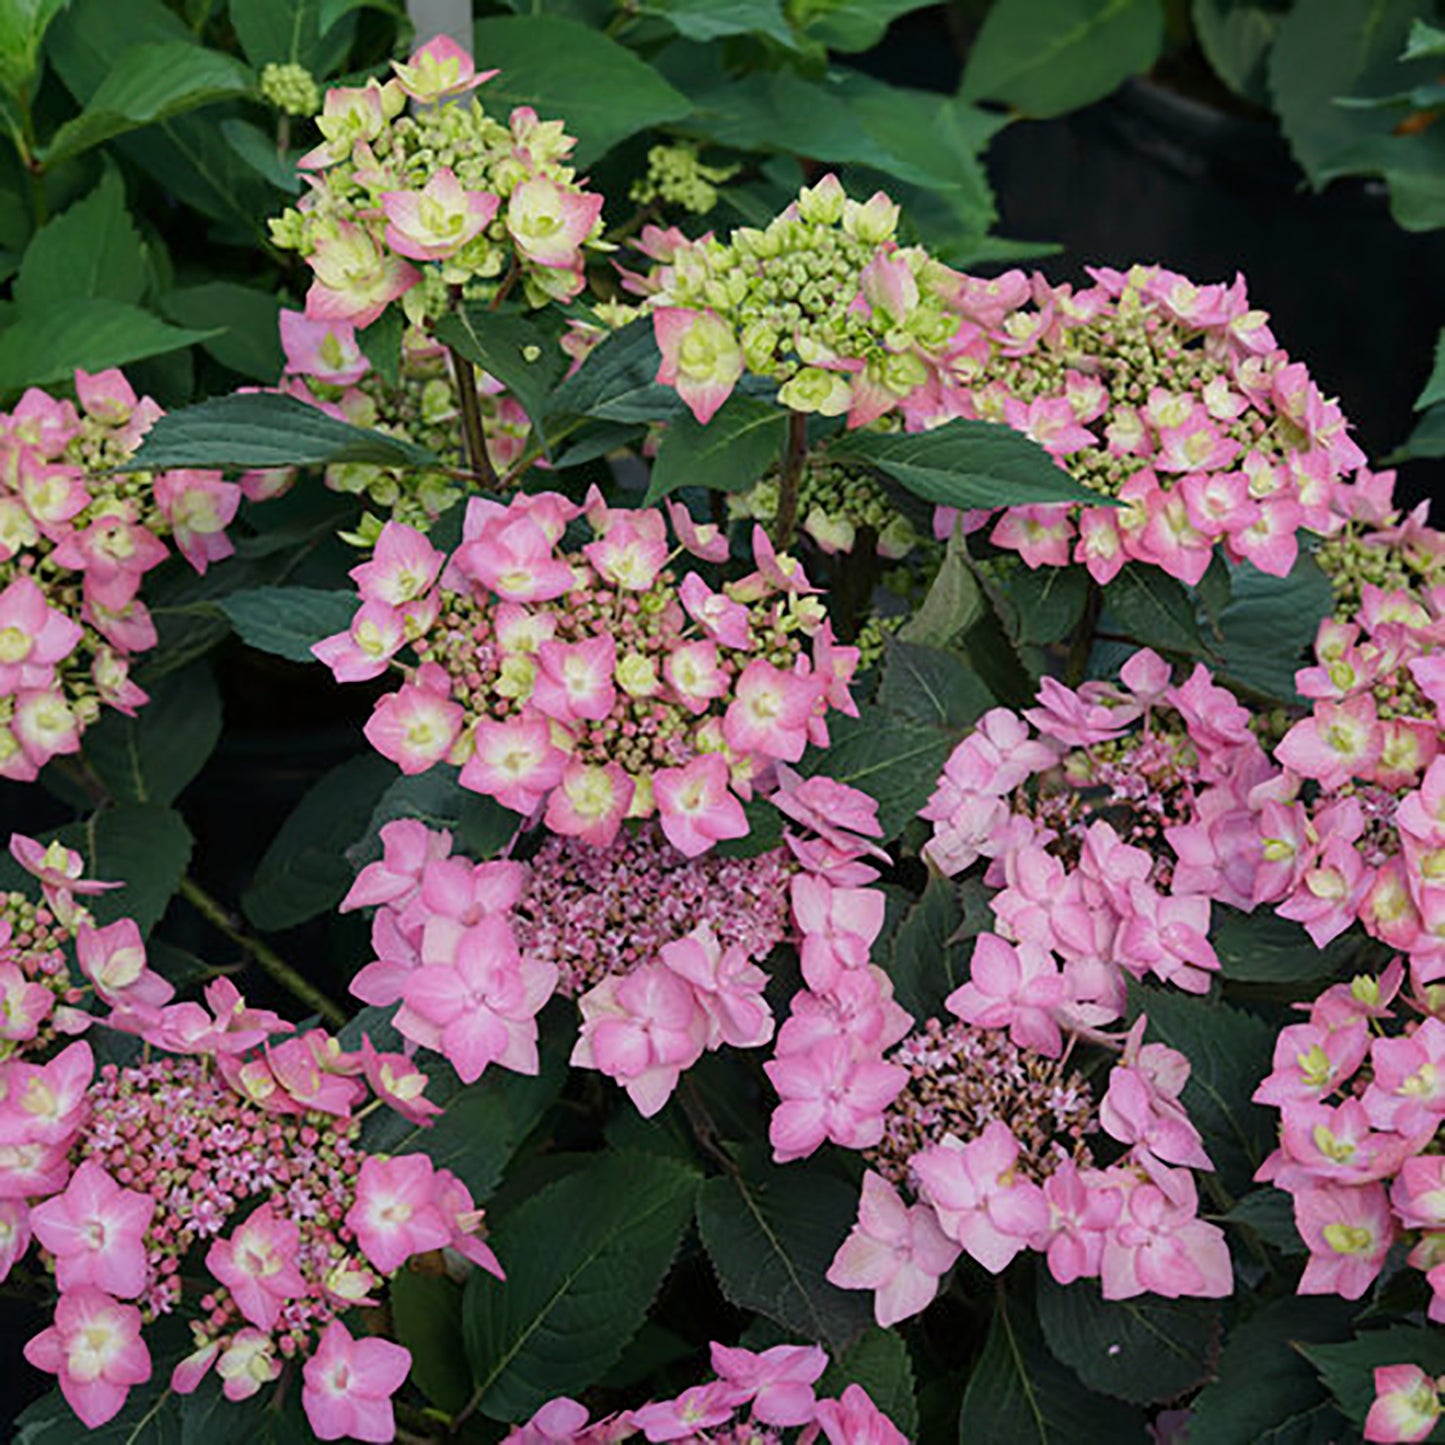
column 1268, row 627
column 618, row 381
column 1425, row 42
column 263, row 429
column 1235, row 36
column 1019, row 1393
column 1045, row 57
column 244, row 321
column 255, row 149
column 563, row 68
column 286, row 621
column 705, row 20
column 1046, row 603
column 568, row 1308
column 771, row 1234
column 481, row 825
column 147, row 83
column 23, row 24
column 1328, row 48
column 1262, row 947
column 151, row 757
column 1229, row 1052
column 291, row 32
column 485, row 1122
column 426, row 1311
column 521, row 352
column 1145, row 1350
column 150, row 1415
column 932, row 686
column 954, row 601
column 92, row 333
column 1265, row 1390
column 895, row 761
column 1348, row 1370
column 879, row 1362
column 304, row 872
column 729, row 454
column 145, row 845
column 381, row 344
column 1154, row 610
column 1434, row 388
column 969, row 464
column 925, row 963
column 853, row 25
column 90, row 249
column 1269, row 1212
column 1427, row 440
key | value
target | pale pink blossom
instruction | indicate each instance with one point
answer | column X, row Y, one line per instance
column 96, row 1232
column 258, row 1264
column 349, row 1384
column 95, row 1347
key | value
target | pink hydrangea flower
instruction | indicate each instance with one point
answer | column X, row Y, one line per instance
column 1349, row 1231
column 1406, row 1404
column 695, row 806
column 349, row 1384
column 1160, row 1245
column 96, row 1232
column 95, row 1347
column 779, row 1382
column 395, row 1214
column 258, row 1265
column 896, row 1250
column 829, row 1092
column 701, row 358
column 1014, row 987
column 853, row 1419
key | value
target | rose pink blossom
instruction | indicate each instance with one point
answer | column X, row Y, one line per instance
column 95, row 1347
column 96, row 1232
column 395, row 1214
column 349, row 1384
column 258, row 1265
column 779, row 1381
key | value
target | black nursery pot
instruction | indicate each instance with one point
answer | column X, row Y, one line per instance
column 1149, row 175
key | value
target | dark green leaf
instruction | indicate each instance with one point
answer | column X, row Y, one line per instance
column 1262, row 947
column 879, row 1362
column 1145, row 1350
column 563, row 68
column 925, row 964
column 1270, row 624
column 704, row 20
column 1229, row 1052
column 257, row 150
column 1435, row 387
column 286, row 621
column 91, row 333
column 149, row 758
column 1045, row 57
column 144, row 845
column 968, row 464
column 1348, row 1370
column 289, row 32
column 304, row 871
column 1269, row 1212
column 90, row 249
column 1330, row 48
column 381, row 344
column 567, row 1311
column 895, row 761
column 1264, row 1389
column 1047, row 603
column 618, row 381
column 245, row 321
column 771, row 1234
column 1235, row 36
column 1154, row 610
column 23, row 24
column 929, row 685
column 147, row 83
column 729, row 454
column 1020, row 1394
column 426, row 1310
column 1427, row 440
column 853, row 25
column 150, row 1416
column 521, row 352
column 264, row 429
column 954, row 601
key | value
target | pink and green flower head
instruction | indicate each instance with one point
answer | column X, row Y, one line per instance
column 439, row 69
column 701, row 358
column 437, row 221
column 1406, row 1404
column 548, row 222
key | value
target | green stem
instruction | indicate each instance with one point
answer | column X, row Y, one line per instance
column 25, row 143
column 472, row 430
column 1082, row 647
column 271, row 961
column 795, row 453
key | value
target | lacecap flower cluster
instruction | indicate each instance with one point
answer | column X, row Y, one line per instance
column 77, row 539
column 589, row 684
column 222, row 1174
